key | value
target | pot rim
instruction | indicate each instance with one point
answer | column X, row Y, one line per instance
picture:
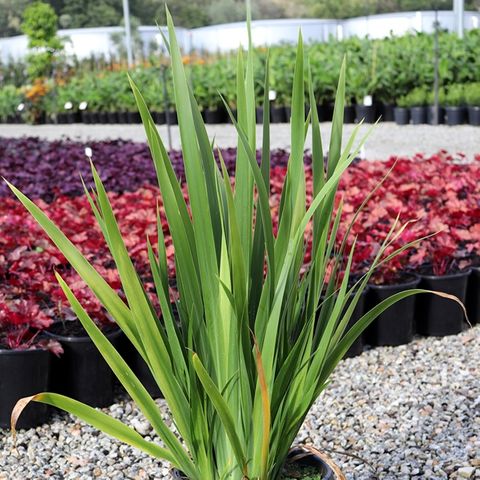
column 410, row 283
column 18, row 351
column 462, row 273
column 310, row 450
column 83, row 339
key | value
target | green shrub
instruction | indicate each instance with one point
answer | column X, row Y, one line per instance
column 441, row 96
column 10, row 97
column 455, row 96
column 40, row 26
column 418, row 97
column 472, row 94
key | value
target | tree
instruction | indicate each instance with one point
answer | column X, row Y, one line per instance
column 91, row 13
column 40, row 25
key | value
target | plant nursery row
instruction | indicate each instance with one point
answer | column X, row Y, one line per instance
column 393, row 71
column 38, row 331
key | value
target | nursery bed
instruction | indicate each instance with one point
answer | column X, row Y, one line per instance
column 411, row 412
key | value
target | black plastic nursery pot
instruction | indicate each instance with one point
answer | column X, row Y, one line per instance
column 299, row 459
column 395, row 326
column 158, row 117
column 277, row 114
column 455, row 115
column 367, row 113
column 214, row 116
column 437, row 316
column 259, row 115
column 133, row 117
column 86, row 117
column 401, row 115
column 325, row 112
column 94, row 117
column 431, row 115
column 386, row 111
column 81, row 372
column 348, row 114
column 357, row 346
column 474, row 115
column 122, row 117
column 23, row 373
column 112, row 117
column 418, row 115
column 102, row 117
column 473, row 296
column 171, row 117
column 62, row 118
column 140, row 369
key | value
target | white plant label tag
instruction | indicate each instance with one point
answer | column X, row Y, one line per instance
column 272, row 95
column 83, row 105
column 368, row 100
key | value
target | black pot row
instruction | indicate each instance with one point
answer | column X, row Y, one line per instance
column 80, row 372
column 351, row 114
column 445, row 115
column 424, row 314
column 278, row 114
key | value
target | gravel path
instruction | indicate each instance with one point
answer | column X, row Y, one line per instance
column 385, row 140
column 411, row 412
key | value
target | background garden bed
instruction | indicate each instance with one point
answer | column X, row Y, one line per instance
column 434, row 193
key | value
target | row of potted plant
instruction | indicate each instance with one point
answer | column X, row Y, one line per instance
column 386, row 70
column 458, row 104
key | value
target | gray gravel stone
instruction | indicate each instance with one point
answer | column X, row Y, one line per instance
column 403, row 413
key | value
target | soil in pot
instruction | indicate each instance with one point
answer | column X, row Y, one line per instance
column 348, row 114
column 473, row 296
column 81, row 372
column 365, row 112
column 310, row 463
column 395, row 326
column 23, row 373
column 474, row 115
column 401, row 115
column 277, row 114
column 455, row 115
column 418, row 115
column 437, row 316
column 431, row 115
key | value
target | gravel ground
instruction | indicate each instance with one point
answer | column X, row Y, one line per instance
column 411, row 412
column 385, row 140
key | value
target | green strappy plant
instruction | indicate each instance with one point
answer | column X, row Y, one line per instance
column 253, row 345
